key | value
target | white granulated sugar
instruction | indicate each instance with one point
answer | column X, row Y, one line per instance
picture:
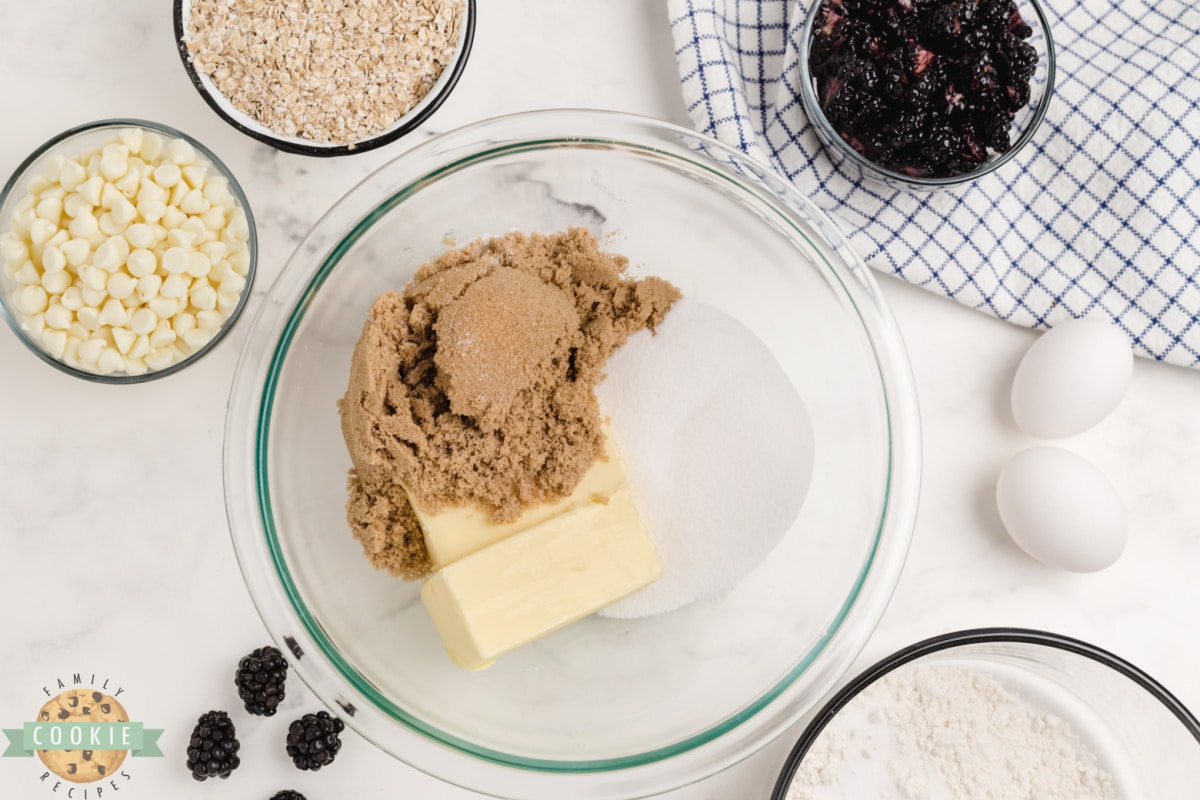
column 947, row 733
column 719, row 448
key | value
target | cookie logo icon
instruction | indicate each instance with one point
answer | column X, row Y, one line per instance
column 82, row 765
column 83, row 737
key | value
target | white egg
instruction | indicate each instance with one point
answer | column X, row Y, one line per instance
column 1072, row 377
column 1062, row 510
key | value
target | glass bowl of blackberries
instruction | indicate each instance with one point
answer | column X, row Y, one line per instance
column 922, row 94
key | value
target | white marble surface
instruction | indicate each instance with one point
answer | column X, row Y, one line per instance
column 114, row 552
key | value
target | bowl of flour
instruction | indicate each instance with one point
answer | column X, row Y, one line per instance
column 997, row 714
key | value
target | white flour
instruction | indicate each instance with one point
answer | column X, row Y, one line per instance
column 947, row 733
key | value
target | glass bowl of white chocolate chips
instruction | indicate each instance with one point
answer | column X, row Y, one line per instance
column 572, row 362
column 128, row 251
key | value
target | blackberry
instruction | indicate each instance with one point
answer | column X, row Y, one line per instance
column 212, row 751
column 287, row 794
column 260, row 680
column 312, row 740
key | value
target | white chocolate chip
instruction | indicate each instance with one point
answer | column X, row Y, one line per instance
column 163, row 307
column 109, row 195
column 162, row 337
column 182, row 322
column 35, row 326
column 28, row 273
column 124, row 212
column 227, row 302
column 50, row 209
column 180, row 237
column 72, row 175
column 143, row 321
column 197, row 338
column 148, row 286
column 123, row 339
column 203, row 298
column 56, row 283
column 152, row 210
column 121, row 285
column 135, row 366
column 167, row 174
column 83, row 226
column 109, row 225
column 89, row 317
column 239, row 228
column 214, row 219
column 89, row 351
column 72, row 299
column 13, row 250
column 110, row 361
column 75, row 204
column 41, row 230
column 233, row 283
column 141, row 347
column 160, row 358
column 173, row 217
column 141, row 262
column 175, row 259
column 139, row 235
column 52, row 167
column 92, row 188
column 199, row 265
column 129, row 182
column 181, row 152
column 113, row 313
column 54, row 342
column 152, row 146
column 132, row 139
column 192, row 203
column 76, row 251
column 152, row 191
column 93, row 297
column 112, row 165
column 33, row 299
column 195, row 174
column 77, row 331
column 53, row 259
column 94, row 277
column 39, row 184
column 209, row 320
column 107, row 258
column 59, row 317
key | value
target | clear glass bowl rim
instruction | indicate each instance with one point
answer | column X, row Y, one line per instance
column 116, row 124
column 812, row 109
column 949, row 641
column 250, row 400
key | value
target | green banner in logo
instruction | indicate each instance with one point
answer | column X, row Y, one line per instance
column 141, row 742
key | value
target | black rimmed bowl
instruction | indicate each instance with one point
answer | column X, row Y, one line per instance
column 1145, row 739
column 407, row 123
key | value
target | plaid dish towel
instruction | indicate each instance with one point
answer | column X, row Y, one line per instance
column 1098, row 216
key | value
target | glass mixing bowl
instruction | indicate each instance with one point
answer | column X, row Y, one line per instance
column 1141, row 735
column 603, row 708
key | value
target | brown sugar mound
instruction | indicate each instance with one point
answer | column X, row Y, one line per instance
column 475, row 385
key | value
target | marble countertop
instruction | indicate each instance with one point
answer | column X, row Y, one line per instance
column 115, row 559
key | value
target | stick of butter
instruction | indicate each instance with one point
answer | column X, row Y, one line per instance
column 458, row 531
column 539, row 580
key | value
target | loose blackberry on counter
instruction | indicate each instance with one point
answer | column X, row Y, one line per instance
column 927, row 88
column 312, row 740
column 260, row 680
column 212, row 751
column 287, row 794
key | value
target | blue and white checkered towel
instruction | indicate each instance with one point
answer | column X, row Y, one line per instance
column 1097, row 216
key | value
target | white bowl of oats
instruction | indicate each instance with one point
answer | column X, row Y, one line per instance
column 320, row 77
